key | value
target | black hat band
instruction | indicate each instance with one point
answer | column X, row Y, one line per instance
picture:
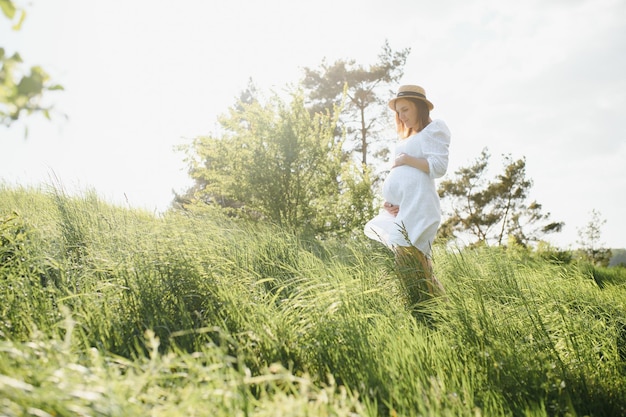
column 411, row 93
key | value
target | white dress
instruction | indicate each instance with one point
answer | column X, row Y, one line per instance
column 414, row 192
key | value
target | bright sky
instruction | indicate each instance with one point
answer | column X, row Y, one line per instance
column 541, row 79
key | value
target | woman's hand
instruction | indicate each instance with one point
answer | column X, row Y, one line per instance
column 402, row 159
column 391, row 209
column 408, row 160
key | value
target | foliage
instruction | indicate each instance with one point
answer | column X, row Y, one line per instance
column 206, row 383
column 367, row 89
column 278, row 162
column 111, row 311
column 553, row 254
column 20, row 91
column 490, row 211
column 12, row 13
column 618, row 257
column 589, row 240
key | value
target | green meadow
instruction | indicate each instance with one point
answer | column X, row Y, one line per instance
column 112, row 311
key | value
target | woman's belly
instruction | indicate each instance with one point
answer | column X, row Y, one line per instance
column 401, row 181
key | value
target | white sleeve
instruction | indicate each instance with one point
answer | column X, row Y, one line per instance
column 435, row 148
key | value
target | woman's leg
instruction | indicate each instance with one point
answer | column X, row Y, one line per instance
column 416, row 274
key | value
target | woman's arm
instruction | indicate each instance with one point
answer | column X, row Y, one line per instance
column 436, row 147
column 412, row 161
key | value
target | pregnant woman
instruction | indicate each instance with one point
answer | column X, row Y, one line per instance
column 408, row 224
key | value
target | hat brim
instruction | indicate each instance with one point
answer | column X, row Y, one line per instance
column 392, row 102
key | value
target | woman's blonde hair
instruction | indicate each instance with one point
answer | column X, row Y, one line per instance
column 423, row 118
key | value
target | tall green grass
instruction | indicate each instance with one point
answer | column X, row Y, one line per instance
column 112, row 311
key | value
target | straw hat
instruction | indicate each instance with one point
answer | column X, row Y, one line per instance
column 410, row 91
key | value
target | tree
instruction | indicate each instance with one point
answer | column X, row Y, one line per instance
column 492, row 211
column 367, row 92
column 591, row 248
column 277, row 162
column 20, row 91
column 618, row 257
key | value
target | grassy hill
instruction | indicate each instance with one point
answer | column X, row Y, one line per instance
column 108, row 311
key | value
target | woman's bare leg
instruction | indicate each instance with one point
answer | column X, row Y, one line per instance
column 416, row 274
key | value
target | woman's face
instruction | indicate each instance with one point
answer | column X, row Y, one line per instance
column 407, row 112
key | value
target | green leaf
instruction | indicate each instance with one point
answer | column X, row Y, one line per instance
column 30, row 85
column 18, row 25
column 7, row 8
column 16, row 58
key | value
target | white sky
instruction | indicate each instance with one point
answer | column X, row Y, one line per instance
column 544, row 79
